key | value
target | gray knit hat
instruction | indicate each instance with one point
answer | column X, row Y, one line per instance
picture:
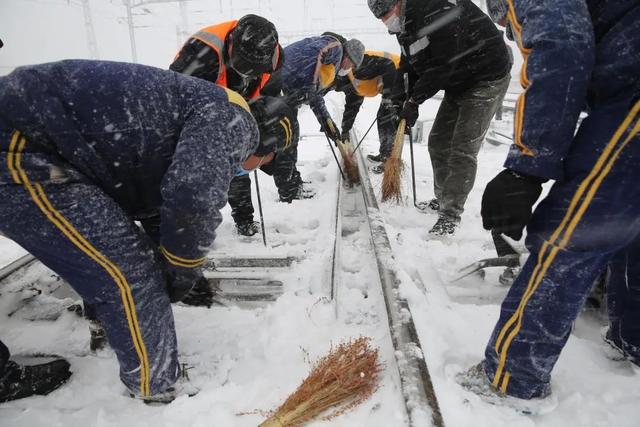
column 381, row 7
column 354, row 49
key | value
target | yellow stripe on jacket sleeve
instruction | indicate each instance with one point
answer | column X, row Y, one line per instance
column 182, row 262
column 11, row 157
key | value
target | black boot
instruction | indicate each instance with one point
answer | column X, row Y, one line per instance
column 444, row 227
column 377, row 157
column 20, row 381
column 433, row 204
column 249, row 228
column 98, row 340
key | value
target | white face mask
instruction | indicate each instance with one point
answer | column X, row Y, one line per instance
column 343, row 72
column 394, row 24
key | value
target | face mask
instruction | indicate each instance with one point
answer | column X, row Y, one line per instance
column 242, row 171
column 343, row 73
column 394, row 24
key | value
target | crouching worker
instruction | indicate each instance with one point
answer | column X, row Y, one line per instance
column 87, row 148
column 375, row 76
column 240, row 55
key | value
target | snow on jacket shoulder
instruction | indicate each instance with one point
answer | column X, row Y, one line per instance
column 157, row 142
column 311, row 64
column 309, row 71
column 448, row 45
column 576, row 54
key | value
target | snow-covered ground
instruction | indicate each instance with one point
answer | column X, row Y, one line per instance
column 252, row 359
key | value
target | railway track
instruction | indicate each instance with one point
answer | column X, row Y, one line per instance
column 251, row 282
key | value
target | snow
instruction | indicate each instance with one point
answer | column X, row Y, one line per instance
column 245, row 360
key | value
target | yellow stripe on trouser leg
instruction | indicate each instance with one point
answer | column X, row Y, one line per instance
column 37, row 194
column 574, row 202
column 590, row 185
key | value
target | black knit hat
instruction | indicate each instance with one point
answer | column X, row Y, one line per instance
column 381, row 7
column 254, row 46
column 278, row 125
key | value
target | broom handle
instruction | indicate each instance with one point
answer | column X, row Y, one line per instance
column 364, row 136
column 413, row 165
column 413, row 168
column 264, row 233
column 399, row 141
column 344, row 178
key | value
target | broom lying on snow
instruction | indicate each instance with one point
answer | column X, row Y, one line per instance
column 393, row 168
column 341, row 380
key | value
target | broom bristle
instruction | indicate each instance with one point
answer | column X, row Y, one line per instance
column 391, row 188
column 341, row 380
column 350, row 166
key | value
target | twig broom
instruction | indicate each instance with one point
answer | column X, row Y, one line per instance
column 393, row 168
column 341, row 380
column 346, row 150
column 350, row 166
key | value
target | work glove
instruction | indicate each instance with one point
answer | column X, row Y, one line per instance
column 410, row 112
column 507, row 202
column 330, row 129
column 201, row 295
column 180, row 281
column 344, row 137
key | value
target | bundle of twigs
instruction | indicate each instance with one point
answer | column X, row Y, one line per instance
column 393, row 168
column 341, row 380
column 350, row 166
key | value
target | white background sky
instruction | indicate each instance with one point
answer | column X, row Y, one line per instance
column 46, row 30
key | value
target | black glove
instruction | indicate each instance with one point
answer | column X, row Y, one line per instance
column 410, row 112
column 180, row 281
column 201, row 295
column 507, row 202
column 345, row 136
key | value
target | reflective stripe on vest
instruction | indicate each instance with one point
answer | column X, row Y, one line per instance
column 214, row 37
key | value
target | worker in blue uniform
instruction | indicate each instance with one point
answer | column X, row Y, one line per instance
column 89, row 147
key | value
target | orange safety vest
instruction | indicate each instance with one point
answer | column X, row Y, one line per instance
column 214, row 37
column 373, row 87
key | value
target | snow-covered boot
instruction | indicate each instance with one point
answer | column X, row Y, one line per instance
column 377, row 157
column 508, row 276
column 98, row 340
column 378, row 169
column 304, row 192
column 432, row 204
column 444, row 227
column 248, row 229
column 476, row 381
column 19, row 381
column 182, row 387
column 614, row 350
